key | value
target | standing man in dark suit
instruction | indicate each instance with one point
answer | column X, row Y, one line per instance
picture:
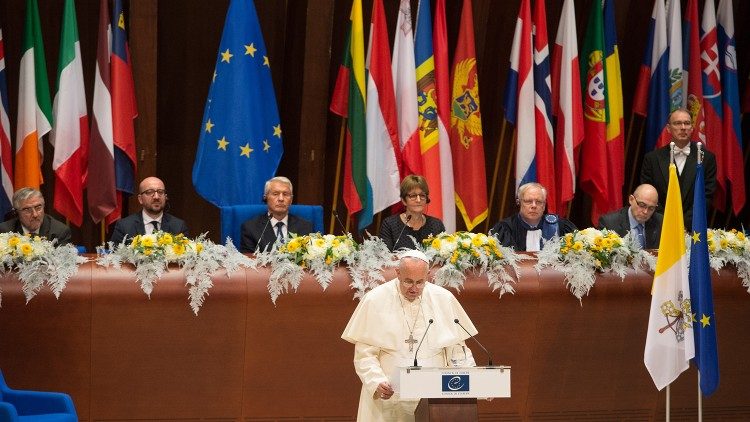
column 640, row 218
column 655, row 170
column 28, row 204
column 260, row 233
column 153, row 198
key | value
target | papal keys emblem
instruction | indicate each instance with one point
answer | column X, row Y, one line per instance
column 678, row 317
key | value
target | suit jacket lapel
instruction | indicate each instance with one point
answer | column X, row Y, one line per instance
column 664, row 165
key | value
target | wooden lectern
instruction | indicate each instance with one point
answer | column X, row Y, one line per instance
column 450, row 394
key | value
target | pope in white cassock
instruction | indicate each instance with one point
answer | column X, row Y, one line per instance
column 386, row 327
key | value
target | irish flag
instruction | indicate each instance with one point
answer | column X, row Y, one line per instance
column 34, row 105
column 70, row 133
column 669, row 340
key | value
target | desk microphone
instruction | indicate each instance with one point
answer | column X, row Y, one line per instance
column 343, row 227
column 489, row 358
column 429, row 323
column 260, row 239
column 408, row 217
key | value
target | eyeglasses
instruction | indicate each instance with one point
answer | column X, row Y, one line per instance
column 414, row 196
column 152, row 192
column 539, row 202
column 686, row 123
column 32, row 210
column 644, row 206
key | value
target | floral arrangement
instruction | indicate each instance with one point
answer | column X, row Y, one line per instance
column 37, row 261
column 152, row 254
column 584, row 253
column 730, row 247
column 463, row 251
column 318, row 253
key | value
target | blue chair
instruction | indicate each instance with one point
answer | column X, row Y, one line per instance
column 233, row 216
column 20, row 405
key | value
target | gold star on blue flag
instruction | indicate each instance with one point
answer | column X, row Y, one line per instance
column 241, row 107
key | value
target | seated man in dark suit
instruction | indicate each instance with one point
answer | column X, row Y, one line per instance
column 260, row 233
column 28, row 204
column 525, row 230
column 153, row 197
column 639, row 219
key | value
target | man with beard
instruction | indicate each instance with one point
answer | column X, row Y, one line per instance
column 28, row 203
column 153, row 197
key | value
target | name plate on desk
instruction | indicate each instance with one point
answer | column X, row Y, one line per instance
column 472, row 382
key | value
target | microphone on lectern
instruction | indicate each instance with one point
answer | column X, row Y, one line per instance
column 489, row 358
column 429, row 323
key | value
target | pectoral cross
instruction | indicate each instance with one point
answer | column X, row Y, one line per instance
column 412, row 341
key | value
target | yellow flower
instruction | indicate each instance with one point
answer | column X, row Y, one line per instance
column 329, row 259
column 741, row 236
column 198, row 247
column 436, row 243
column 13, row 241
column 147, row 242
column 293, row 245
column 165, row 239
column 578, row 246
column 27, row 249
column 477, row 241
column 178, row 249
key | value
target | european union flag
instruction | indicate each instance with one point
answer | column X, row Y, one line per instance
column 704, row 321
column 240, row 144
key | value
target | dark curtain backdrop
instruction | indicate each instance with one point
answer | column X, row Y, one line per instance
column 174, row 45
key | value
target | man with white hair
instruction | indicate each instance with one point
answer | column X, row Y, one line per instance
column 386, row 327
column 525, row 230
column 259, row 233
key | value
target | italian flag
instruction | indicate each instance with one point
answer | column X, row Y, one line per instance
column 34, row 105
column 70, row 133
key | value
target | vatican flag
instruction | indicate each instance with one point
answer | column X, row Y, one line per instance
column 669, row 340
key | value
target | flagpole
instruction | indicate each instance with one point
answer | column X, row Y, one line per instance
column 494, row 175
column 666, row 414
column 700, row 399
column 338, row 179
column 507, row 173
column 635, row 156
column 102, row 231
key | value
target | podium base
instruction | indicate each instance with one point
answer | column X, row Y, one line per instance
column 447, row 410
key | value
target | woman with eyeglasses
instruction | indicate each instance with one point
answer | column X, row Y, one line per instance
column 398, row 230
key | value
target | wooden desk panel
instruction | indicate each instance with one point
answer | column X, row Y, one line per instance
column 125, row 357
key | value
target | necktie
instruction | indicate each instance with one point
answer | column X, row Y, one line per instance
column 156, row 226
column 279, row 231
column 641, row 236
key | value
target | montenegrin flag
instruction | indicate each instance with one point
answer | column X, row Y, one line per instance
column 70, row 133
column 34, row 104
column 669, row 339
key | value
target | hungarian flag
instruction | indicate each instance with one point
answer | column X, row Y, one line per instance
column 669, row 339
column 651, row 98
column 594, row 160
column 382, row 125
column 405, row 89
column 352, row 70
column 443, row 94
column 567, row 107
column 124, row 110
column 102, row 194
column 712, row 94
column 6, row 160
column 615, row 115
column 732, row 118
column 466, row 127
column 34, row 104
column 70, row 133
